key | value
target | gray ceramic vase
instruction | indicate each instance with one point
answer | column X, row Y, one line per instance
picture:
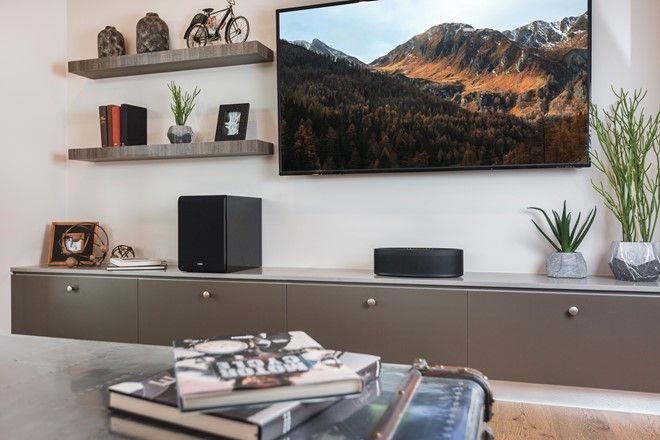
column 111, row 43
column 566, row 265
column 180, row 134
column 153, row 34
column 634, row 261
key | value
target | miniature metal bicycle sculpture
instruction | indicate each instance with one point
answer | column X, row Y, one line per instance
column 208, row 26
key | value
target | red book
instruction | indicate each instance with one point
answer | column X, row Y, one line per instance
column 114, row 126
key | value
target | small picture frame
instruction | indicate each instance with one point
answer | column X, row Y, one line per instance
column 232, row 122
column 71, row 239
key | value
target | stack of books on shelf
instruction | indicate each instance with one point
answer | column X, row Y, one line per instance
column 241, row 387
column 121, row 264
column 123, row 125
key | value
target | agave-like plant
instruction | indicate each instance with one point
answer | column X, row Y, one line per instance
column 568, row 237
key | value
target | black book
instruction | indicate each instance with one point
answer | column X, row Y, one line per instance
column 103, row 119
column 155, row 398
column 133, row 125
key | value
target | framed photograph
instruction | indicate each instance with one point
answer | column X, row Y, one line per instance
column 71, row 239
column 232, row 122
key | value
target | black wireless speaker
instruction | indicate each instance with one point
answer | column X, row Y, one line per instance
column 418, row 262
column 219, row 234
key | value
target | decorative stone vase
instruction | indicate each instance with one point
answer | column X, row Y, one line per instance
column 111, row 43
column 153, row 35
column 180, row 134
column 634, row 261
column 566, row 265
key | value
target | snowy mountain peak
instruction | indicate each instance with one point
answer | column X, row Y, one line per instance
column 319, row 47
column 543, row 34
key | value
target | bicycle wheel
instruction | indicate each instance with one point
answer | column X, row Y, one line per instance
column 198, row 36
column 238, row 30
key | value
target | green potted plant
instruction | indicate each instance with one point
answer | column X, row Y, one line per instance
column 567, row 262
column 630, row 164
column 182, row 106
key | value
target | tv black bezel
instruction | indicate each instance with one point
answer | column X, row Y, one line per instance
column 425, row 169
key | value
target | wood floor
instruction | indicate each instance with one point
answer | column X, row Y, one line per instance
column 526, row 421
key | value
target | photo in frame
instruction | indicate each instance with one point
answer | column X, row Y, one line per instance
column 71, row 239
column 232, row 122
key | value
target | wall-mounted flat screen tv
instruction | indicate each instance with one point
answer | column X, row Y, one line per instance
column 400, row 85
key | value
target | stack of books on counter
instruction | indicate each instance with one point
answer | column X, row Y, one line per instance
column 241, row 387
column 119, row 264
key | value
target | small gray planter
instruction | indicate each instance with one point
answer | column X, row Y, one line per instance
column 634, row 261
column 566, row 265
column 180, row 134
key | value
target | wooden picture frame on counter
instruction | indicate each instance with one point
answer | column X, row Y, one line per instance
column 71, row 238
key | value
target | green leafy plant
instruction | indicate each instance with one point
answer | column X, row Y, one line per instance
column 568, row 237
column 183, row 103
column 630, row 163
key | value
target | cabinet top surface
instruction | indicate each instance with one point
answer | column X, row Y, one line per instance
column 475, row 280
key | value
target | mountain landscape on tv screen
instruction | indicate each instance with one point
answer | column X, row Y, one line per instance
column 451, row 97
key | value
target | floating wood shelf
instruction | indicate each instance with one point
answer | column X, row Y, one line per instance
column 173, row 151
column 250, row 52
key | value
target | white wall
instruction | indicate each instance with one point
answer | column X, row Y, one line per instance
column 32, row 121
column 330, row 221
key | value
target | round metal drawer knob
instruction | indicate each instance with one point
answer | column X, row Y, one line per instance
column 71, row 288
column 206, row 294
column 573, row 311
column 371, row 302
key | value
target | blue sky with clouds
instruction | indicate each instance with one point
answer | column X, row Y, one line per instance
column 371, row 29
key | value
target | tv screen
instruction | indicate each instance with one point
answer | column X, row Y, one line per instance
column 400, row 85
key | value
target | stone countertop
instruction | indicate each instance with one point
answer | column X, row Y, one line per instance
column 471, row 280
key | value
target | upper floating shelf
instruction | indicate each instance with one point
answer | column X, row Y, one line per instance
column 250, row 52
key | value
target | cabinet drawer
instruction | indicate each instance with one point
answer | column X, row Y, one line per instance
column 103, row 309
column 171, row 310
column 612, row 341
column 403, row 324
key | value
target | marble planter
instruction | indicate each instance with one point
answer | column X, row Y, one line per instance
column 634, row 261
column 566, row 265
column 180, row 134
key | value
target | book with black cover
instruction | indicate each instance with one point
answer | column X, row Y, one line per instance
column 248, row 369
column 133, row 125
column 155, row 399
column 103, row 120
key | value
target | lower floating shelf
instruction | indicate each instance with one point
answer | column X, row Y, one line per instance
column 173, row 151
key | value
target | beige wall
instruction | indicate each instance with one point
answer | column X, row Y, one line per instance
column 309, row 221
column 323, row 221
column 32, row 122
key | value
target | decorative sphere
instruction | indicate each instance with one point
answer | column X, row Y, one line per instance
column 103, row 248
column 123, row 251
column 71, row 262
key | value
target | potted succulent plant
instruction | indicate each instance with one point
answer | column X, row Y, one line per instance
column 566, row 262
column 182, row 106
column 630, row 163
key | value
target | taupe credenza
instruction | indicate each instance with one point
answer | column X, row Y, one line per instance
column 596, row 332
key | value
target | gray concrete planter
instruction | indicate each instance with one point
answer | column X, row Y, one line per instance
column 180, row 134
column 566, row 265
column 634, row 261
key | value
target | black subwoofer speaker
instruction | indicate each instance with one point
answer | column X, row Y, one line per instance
column 219, row 234
column 419, row 262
